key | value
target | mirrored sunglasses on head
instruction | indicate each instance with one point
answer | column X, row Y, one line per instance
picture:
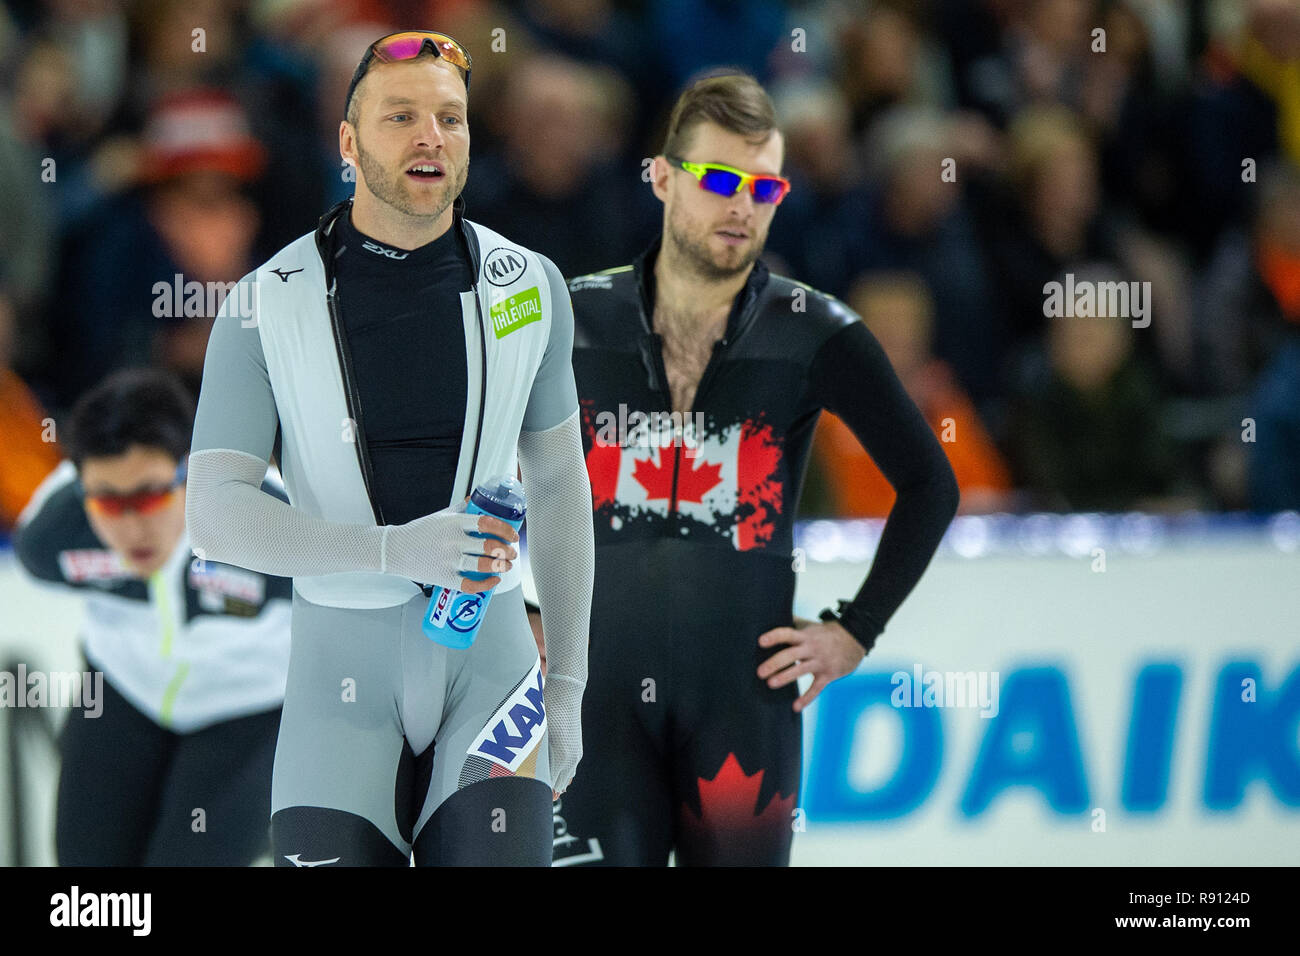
column 407, row 46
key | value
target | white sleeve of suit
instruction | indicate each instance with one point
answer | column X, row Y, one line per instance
column 232, row 520
column 561, row 542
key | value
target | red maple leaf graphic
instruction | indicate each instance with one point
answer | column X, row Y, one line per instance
column 692, row 483
column 729, row 802
column 657, row 480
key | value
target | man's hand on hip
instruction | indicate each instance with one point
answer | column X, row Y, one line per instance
column 827, row 651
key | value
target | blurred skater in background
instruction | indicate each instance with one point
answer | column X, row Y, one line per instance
column 193, row 653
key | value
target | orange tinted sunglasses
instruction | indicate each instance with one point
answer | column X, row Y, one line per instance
column 141, row 502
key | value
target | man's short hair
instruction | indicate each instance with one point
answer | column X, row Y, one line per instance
column 734, row 101
column 138, row 406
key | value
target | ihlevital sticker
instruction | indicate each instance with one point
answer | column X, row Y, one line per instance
column 517, row 311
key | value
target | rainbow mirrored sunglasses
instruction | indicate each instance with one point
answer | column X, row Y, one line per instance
column 727, row 180
column 407, row 46
column 142, row 502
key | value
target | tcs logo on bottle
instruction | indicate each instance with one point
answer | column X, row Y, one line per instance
column 456, row 610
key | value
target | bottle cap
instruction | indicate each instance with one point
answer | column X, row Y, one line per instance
column 502, row 497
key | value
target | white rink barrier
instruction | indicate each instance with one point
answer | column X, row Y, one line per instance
column 1147, row 677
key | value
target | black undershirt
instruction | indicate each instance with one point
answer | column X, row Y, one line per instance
column 401, row 312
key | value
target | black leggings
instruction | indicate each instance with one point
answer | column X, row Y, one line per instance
column 706, row 767
column 129, row 791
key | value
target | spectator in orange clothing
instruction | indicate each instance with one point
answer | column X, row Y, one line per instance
column 898, row 310
column 30, row 452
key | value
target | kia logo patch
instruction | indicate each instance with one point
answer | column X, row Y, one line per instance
column 503, row 266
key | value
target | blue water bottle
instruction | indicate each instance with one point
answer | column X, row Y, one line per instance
column 453, row 616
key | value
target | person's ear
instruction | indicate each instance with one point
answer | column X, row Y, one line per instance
column 348, row 143
column 660, row 170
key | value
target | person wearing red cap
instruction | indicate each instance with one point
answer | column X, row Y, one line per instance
column 187, row 220
column 200, row 131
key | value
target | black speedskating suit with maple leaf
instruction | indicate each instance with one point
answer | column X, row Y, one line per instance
column 685, row 747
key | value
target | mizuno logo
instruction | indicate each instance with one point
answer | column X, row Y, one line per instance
column 293, row 858
column 284, row 276
column 382, row 250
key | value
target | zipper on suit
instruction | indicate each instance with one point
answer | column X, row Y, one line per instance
column 679, row 440
column 666, row 394
column 657, row 355
column 482, row 397
column 352, row 397
column 350, row 392
column 160, row 599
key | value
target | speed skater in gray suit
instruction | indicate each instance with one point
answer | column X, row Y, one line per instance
column 392, row 360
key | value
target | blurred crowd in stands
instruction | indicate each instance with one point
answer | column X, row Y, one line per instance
column 949, row 159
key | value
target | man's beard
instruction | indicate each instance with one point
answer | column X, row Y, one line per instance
column 695, row 254
column 391, row 190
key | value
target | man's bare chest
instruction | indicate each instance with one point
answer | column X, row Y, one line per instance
column 686, row 354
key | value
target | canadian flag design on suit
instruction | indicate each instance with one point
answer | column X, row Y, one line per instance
column 728, row 479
